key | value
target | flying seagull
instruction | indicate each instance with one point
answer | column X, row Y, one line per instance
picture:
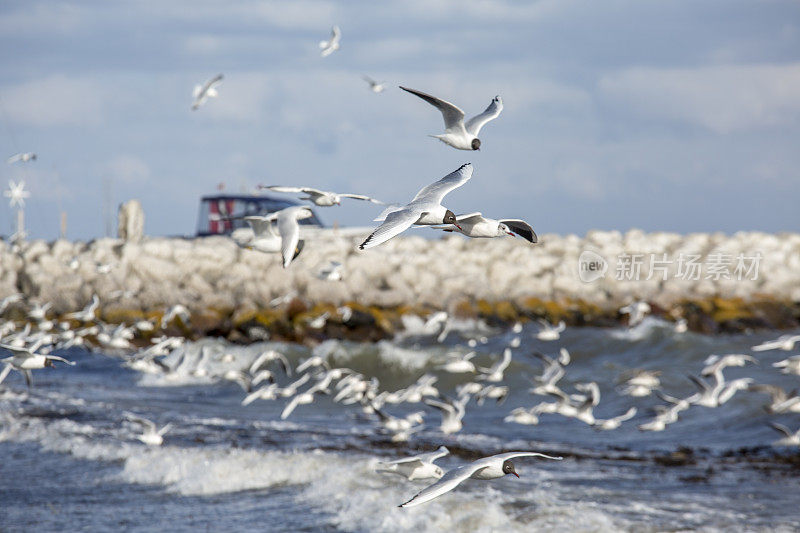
column 318, row 197
column 487, row 468
column 374, row 86
column 476, row 225
column 425, row 209
column 457, row 133
column 201, row 93
column 23, row 157
column 331, row 45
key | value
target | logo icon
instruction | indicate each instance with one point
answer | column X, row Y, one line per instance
column 591, row 266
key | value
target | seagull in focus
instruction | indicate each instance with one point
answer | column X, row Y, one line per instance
column 16, row 193
column 22, row 157
column 784, row 342
column 290, row 231
column 24, row 360
column 476, row 225
column 487, row 468
column 417, row 467
column 201, row 93
column 789, row 438
column 151, row 435
column 424, row 209
column 458, row 134
column 636, row 312
column 374, row 86
column 318, row 197
column 331, row 45
column 548, row 332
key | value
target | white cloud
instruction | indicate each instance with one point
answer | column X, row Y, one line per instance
column 55, row 100
column 723, row 99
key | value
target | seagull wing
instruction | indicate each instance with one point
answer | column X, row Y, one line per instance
column 18, row 352
column 432, row 456
column 57, row 358
column 521, row 228
column 281, row 188
column 475, row 124
column 396, row 223
column 261, row 224
column 448, row 482
column 361, row 197
column 435, row 192
column 780, row 427
column 141, row 421
column 290, row 233
column 473, row 218
column 453, row 116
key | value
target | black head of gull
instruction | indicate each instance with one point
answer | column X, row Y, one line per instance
column 450, row 218
column 476, row 144
column 508, row 467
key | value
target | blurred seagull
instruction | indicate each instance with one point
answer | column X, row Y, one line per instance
column 495, row 373
column 201, row 93
column 548, row 332
column 636, row 312
column 331, row 272
column 787, row 366
column 476, row 225
column 789, row 438
column 318, row 197
column 151, row 435
column 374, row 86
column 21, row 157
column 424, row 209
column 87, row 313
column 458, row 134
column 487, row 468
column 784, row 342
column 331, row 45
column 24, row 360
column 417, row 467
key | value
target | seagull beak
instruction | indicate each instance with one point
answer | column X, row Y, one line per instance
column 508, row 232
column 456, row 225
column 515, row 474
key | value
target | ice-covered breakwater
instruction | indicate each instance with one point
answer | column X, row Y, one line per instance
column 747, row 279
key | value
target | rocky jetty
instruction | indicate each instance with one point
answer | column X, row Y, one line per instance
column 716, row 281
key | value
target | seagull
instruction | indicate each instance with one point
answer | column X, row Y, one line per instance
column 16, row 193
column 458, row 363
column 151, row 435
column 637, row 311
column 176, row 311
column 681, row 326
column 374, row 86
column 201, row 93
column 787, row 366
column 495, row 374
column 520, row 415
column 476, row 225
column 784, row 342
column 267, row 392
column 268, row 357
column 290, row 231
column 460, row 135
column 8, row 300
column 715, row 364
column 22, row 157
column 87, row 313
column 331, row 45
column 266, row 237
column 780, row 400
column 789, row 439
column 453, row 412
column 424, row 209
column 548, row 332
column 318, row 197
column 487, row 468
column 331, row 272
column 641, row 383
column 416, row 467
column 24, row 360
column 614, row 423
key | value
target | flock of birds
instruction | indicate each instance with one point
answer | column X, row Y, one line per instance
column 279, row 232
column 269, row 376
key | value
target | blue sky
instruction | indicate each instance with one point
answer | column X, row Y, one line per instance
column 661, row 115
